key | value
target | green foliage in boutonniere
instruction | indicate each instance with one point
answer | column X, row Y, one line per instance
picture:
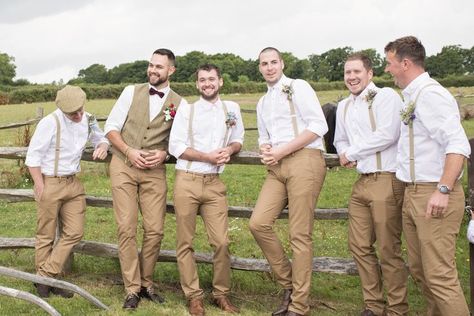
column 231, row 119
column 288, row 90
column 407, row 115
column 170, row 112
column 91, row 121
column 370, row 96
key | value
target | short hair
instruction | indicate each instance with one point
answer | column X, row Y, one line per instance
column 270, row 49
column 208, row 67
column 166, row 52
column 408, row 47
column 366, row 61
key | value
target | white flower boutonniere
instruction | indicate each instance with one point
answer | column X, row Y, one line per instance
column 288, row 90
column 370, row 96
column 407, row 115
column 231, row 119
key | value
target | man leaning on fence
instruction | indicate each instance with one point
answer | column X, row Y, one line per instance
column 431, row 153
column 204, row 136
column 53, row 159
column 291, row 126
column 138, row 128
column 367, row 131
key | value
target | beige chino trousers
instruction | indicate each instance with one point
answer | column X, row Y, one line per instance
column 375, row 215
column 431, row 245
column 63, row 200
column 296, row 181
column 205, row 194
column 136, row 190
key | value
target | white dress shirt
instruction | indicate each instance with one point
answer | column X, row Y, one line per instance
column 209, row 129
column 74, row 136
column 437, row 131
column 470, row 231
column 274, row 118
column 354, row 135
column 119, row 112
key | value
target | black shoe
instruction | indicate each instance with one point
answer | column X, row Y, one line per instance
column 131, row 301
column 43, row 290
column 149, row 294
column 285, row 302
column 62, row 292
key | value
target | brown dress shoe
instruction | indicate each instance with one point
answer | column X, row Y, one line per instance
column 131, row 301
column 62, row 292
column 196, row 307
column 224, row 303
column 43, row 290
column 285, row 302
column 367, row 312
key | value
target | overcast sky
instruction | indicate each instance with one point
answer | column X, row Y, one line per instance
column 53, row 39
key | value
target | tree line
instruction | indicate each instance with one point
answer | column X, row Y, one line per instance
column 326, row 67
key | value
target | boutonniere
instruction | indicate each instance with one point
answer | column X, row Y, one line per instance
column 288, row 90
column 231, row 119
column 408, row 114
column 370, row 96
column 170, row 112
column 91, row 121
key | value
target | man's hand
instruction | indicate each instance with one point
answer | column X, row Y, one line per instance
column 437, row 204
column 38, row 189
column 345, row 162
column 137, row 158
column 100, row 151
column 155, row 157
column 219, row 157
column 272, row 156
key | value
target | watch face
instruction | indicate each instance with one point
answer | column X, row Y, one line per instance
column 443, row 189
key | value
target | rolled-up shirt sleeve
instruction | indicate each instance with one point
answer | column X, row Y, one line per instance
column 119, row 112
column 40, row 142
column 444, row 125
column 309, row 108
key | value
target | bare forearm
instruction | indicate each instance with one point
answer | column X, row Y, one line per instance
column 452, row 169
column 302, row 140
column 191, row 154
column 234, row 147
column 36, row 174
column 116, row 140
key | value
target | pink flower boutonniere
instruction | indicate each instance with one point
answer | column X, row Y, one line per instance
column 170, row 112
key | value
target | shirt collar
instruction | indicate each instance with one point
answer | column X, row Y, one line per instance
column 362, row 95
column 414, row 85
column 201, row 99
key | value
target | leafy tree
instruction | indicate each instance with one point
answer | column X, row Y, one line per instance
column 7, row 69
column 378, row 63
column 95, row 73
column 450, row 61
column 129, row 73
column 335, row 59
column 186, row 65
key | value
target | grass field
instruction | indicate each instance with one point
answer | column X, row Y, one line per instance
column 256, row 293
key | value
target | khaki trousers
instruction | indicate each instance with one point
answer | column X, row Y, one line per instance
column 63, row 199
column 375, row 214
column 135, row 190
column 431, row 245
column 296, row 181
column 206, row 194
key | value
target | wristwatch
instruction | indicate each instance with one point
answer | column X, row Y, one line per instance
column 443, row 188
column 167, row 157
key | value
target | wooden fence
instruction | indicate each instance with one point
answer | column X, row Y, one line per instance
column 320, row 264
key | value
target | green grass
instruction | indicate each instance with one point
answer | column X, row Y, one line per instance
column 255, row 292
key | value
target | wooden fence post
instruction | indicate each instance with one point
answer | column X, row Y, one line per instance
column 39, row 112
column 470, row 174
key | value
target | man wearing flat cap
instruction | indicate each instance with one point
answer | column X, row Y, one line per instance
column 53, row 159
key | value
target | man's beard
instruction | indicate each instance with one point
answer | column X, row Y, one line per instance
column 158, row 82
column 210, row 97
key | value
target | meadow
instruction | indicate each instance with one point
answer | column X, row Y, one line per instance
column 255, row 292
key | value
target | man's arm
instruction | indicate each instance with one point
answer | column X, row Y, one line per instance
column 273, row 155
column 135, row 156
column 37, row 177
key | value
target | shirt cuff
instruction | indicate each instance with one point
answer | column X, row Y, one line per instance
column 32, row 162
column 317, row 129
column 178, row 150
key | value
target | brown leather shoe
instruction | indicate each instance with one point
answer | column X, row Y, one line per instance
column 367, row 312
column 285, row 302
column 224, row 303
column 62, row 292
column 43, row 290
column 196, row 307
column 291, row 313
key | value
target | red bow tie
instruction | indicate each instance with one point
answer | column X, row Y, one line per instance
column 153, row 91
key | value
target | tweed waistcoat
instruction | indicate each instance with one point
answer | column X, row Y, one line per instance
column 138, row 132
